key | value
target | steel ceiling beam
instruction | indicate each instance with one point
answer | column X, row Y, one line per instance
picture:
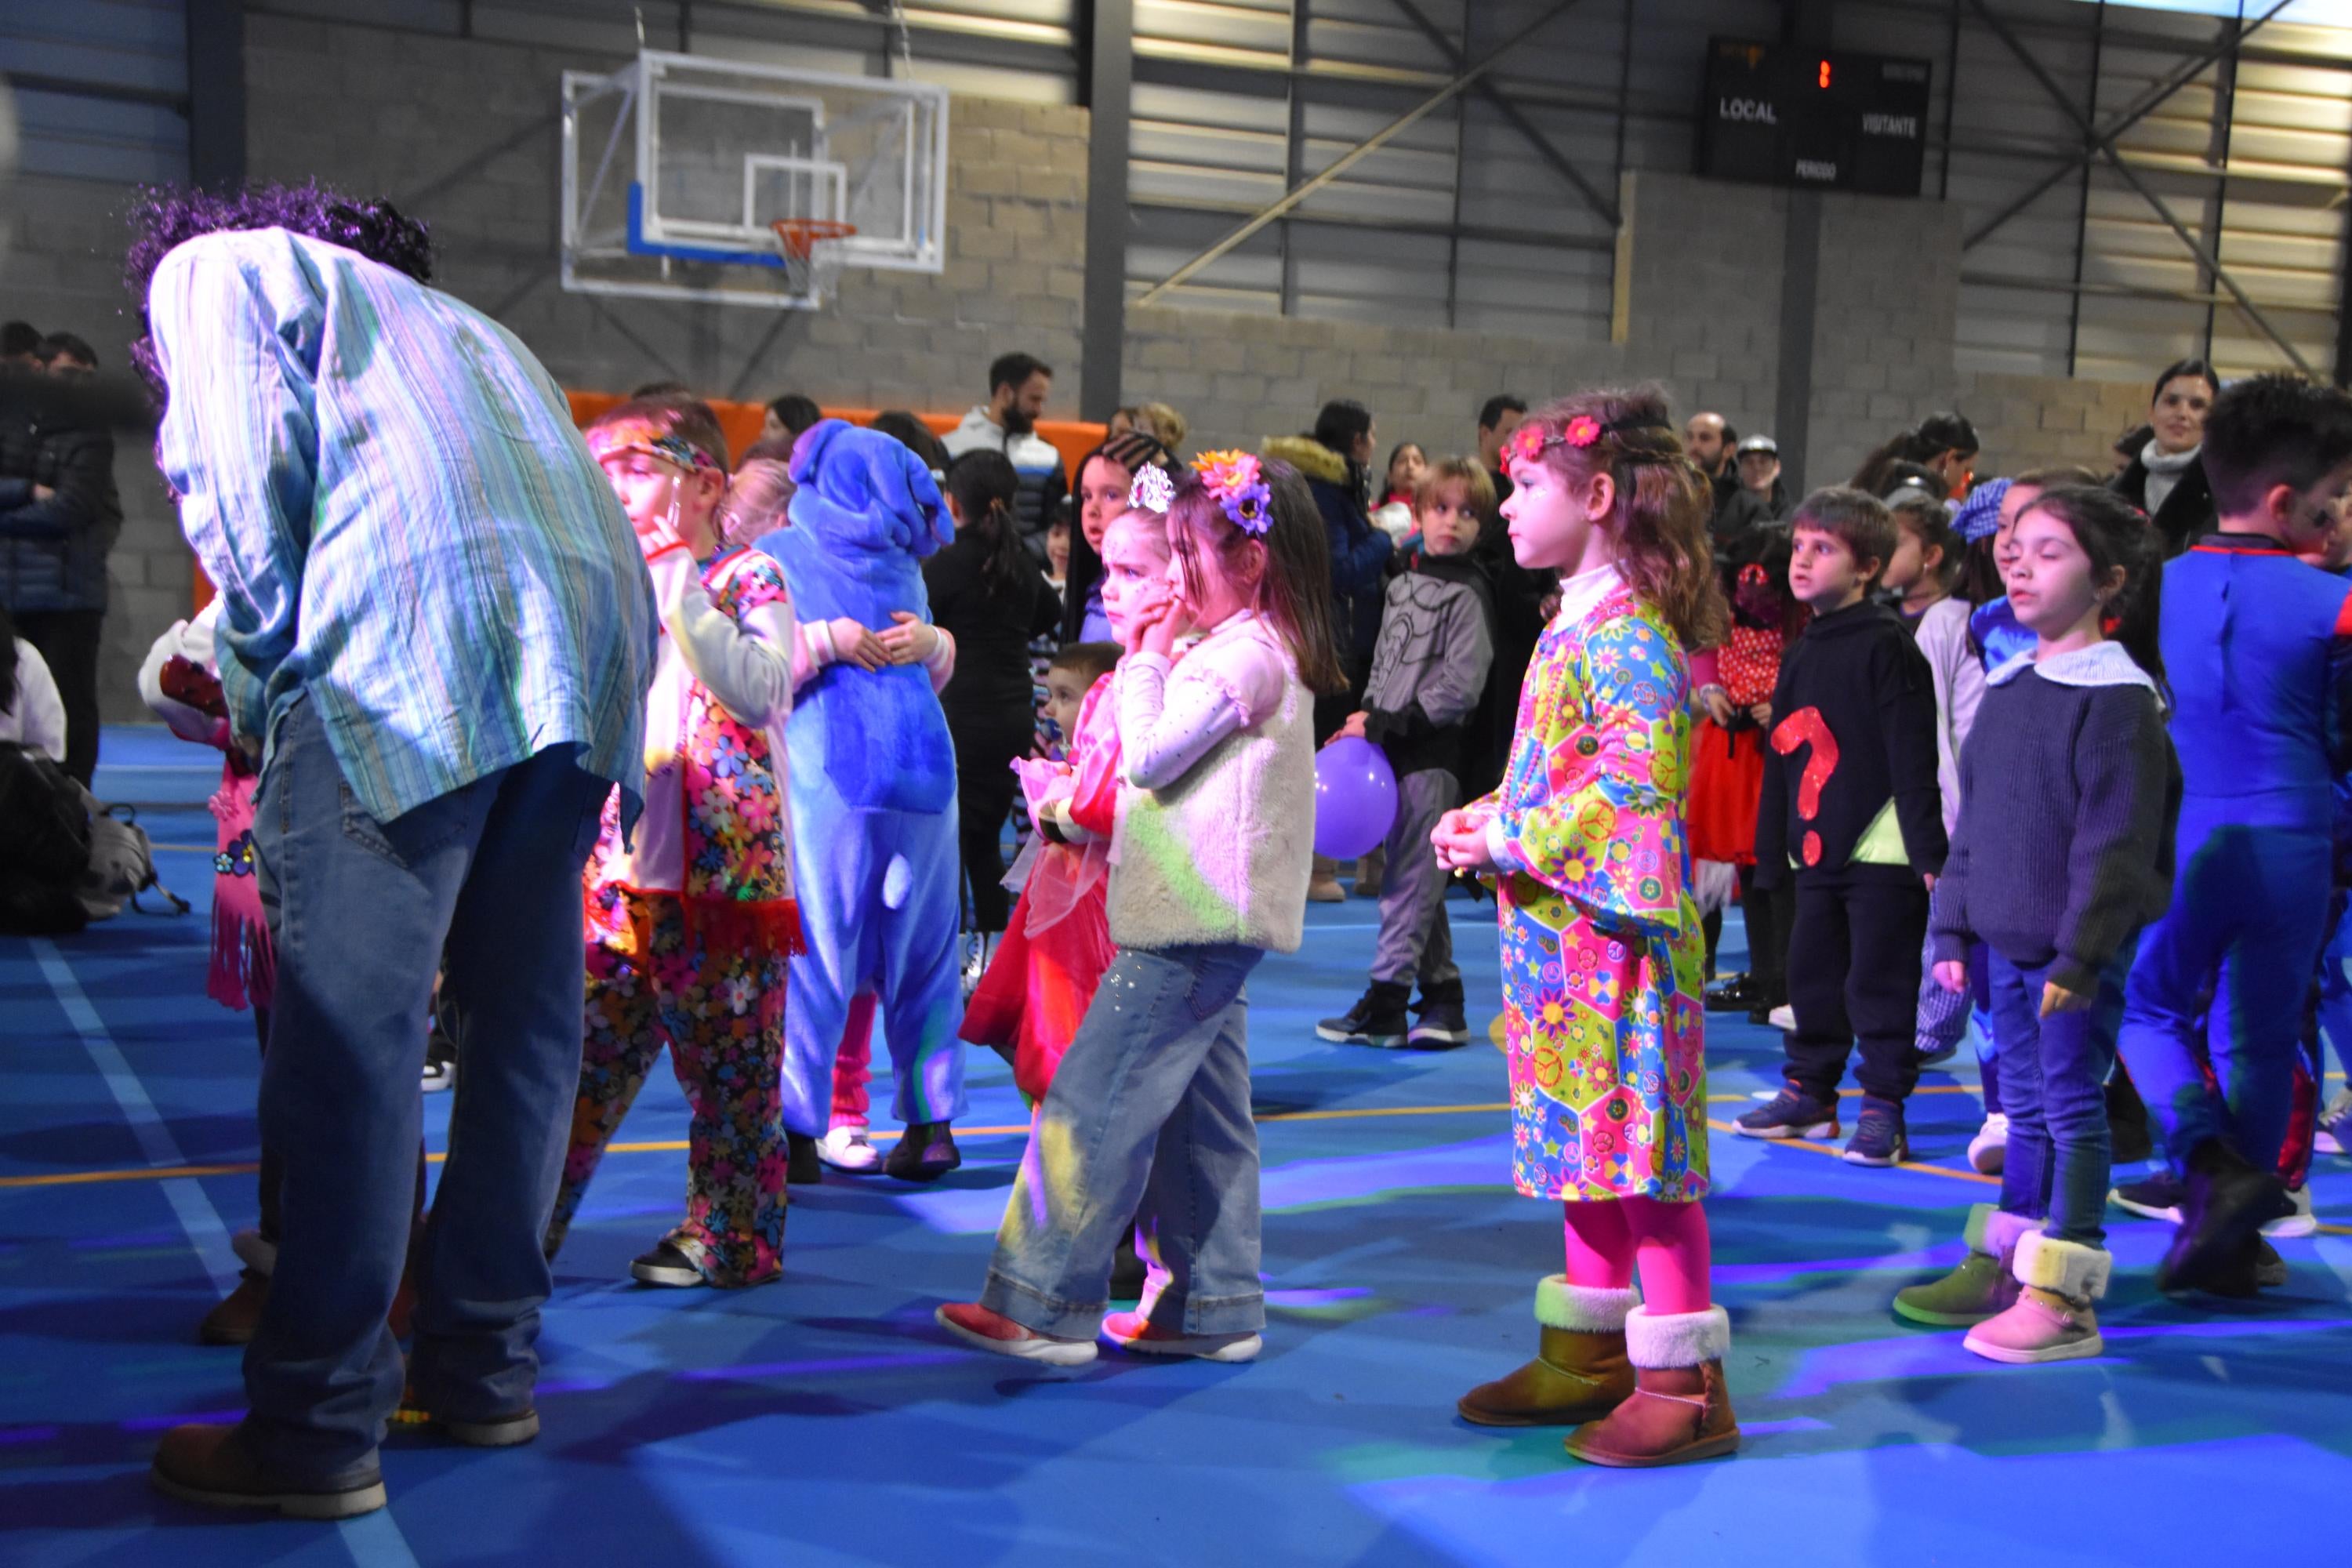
column 1514, row 116
column 1364, row 148
column 2103, row 144
column 2131, row 115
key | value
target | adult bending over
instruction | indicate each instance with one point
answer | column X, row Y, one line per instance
column 436, row 633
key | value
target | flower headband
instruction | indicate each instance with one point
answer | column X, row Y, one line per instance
column 1153, row 490
column 1239, row 486
column 1531, row 439
column 645, row 435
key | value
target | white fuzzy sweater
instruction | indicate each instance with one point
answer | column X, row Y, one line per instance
column 1216, row 825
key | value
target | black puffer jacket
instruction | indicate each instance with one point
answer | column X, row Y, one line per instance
column 53, row 552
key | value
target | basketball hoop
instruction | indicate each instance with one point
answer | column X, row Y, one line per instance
column 811, row 269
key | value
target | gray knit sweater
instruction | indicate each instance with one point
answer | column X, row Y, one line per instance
column 2069, row 794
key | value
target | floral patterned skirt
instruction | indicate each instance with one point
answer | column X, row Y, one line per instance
column 1606, row 1038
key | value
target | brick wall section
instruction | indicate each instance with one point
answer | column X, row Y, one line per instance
column 1886, row 313
column 1705, row 292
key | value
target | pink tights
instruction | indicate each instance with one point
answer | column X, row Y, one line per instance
column 1605, row 1239
column 853, row 1064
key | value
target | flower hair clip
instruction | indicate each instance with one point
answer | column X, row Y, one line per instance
column 1239, row 486
column 1153, row 490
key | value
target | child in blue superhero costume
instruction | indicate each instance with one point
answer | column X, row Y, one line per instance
column 873, row 792
column 2255, row 640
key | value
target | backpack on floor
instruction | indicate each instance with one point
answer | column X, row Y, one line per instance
column 44, row 845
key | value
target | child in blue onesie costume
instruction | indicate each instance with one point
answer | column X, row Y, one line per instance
column 2254, row 640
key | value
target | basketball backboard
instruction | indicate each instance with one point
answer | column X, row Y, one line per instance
column 678, row 168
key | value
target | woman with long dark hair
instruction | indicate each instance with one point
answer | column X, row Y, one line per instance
column 1945, row 444
column 2165, row 478
column 987, row 592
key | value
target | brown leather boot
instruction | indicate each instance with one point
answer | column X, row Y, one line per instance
column 1580, row 1373
column 1679, row 1410
column 234, row 1321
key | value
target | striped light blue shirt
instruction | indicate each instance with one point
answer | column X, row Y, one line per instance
column 388, row 492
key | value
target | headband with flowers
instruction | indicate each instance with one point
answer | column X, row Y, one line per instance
column 1239, row 486
column 645, row 435
column 1532, row 439
column 1153, row 490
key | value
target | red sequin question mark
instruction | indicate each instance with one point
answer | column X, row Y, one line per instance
column 1806, row 727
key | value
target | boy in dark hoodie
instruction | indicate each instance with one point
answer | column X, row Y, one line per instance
column 1430, row 664
column 1850, row 810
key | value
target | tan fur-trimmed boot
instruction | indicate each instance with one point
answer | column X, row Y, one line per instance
column 2053, row 1319
column 1580, row 1373
column 1982, row 1285
column 1679, row 1410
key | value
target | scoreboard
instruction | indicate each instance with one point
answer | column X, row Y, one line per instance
column 1835, row 120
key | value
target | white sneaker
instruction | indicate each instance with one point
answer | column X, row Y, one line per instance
column 2335, row 1125
column 2302, row 1221
column 1784, row 1018
column 1989, row 1149
column 848, row 1149
column 439, row 1076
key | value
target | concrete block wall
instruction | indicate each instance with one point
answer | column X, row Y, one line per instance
column 1887, row 311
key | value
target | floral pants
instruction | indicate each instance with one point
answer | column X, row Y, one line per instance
column 721, row 1009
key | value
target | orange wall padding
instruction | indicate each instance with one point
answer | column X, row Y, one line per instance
column 741, row 421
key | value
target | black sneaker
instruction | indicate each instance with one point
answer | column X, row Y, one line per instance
column 666, row 1265
column 1737, row 995
column 1792, row 1114
column 1878, row 1136
column 803, row 1166
column 1377, row 1018
column 1440, row 1024
column 2156, row 1198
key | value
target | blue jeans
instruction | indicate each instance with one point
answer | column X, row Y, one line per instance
column 361, row 911
column 1150, row 1110
column 2053, row 1078
column 2248, row 917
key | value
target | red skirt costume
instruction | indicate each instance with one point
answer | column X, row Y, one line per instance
column 1728, row 765
column 1056, row 944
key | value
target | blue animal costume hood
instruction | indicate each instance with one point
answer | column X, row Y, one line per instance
column 866, row 514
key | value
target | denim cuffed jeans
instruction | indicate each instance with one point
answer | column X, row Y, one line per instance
column 363, row 912
column 2053, row 1076
column 1148, row 1112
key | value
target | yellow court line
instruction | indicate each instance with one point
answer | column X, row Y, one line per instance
column 667, row 1146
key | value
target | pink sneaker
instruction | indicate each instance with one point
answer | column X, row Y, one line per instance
column 1134, row 1332
column 994, row 1333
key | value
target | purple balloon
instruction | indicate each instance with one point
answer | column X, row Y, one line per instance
column 1355, row 799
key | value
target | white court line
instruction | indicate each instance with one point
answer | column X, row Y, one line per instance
column 374, row 1540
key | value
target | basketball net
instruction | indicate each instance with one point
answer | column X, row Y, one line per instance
column 810, row 249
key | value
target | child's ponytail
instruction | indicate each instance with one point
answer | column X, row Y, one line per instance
column 2111, row 532
column 984, row 485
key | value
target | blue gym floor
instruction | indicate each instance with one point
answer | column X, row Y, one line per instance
column 825, row 1420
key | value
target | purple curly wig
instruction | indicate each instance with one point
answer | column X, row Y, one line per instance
column 165, row 218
